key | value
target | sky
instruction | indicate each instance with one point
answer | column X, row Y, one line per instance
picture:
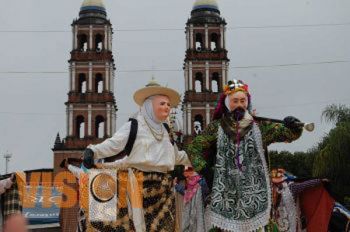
column 294, row 55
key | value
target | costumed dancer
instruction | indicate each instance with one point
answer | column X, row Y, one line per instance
column 147, row 166
column 230, row 155
column 287, row 212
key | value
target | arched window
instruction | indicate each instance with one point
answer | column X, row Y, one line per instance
column 80, row 127
column 100, row 127
column 98, row 83
column 215, row 82
column 214, row 42
column 98, row 42
column 198, row 124
column 83, row 42
column 82, row 83
column 199, row 82
column 199, row 42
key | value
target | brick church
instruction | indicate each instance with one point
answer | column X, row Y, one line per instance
column 91, row 108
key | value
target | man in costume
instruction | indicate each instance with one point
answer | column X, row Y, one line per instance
column 230, row 155
column 151, row 159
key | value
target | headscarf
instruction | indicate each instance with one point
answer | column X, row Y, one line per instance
column 147, row 112
column 227, row 103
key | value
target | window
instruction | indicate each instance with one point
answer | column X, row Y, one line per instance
column 199, row 82
column 214, row 38
column 100, row 127
column 80, row 127
column 83, row 42
column 199, row 42
column 198, row 124
column 98, row 83
column 82, row 83
column 98, row 42
column 215, row 82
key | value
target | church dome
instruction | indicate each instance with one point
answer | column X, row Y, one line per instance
column 93, row 4
column 92, row 8
column 210, row 5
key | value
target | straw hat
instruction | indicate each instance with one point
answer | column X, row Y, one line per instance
column 153, row 88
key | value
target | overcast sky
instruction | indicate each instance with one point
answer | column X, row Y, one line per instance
column 272, row 33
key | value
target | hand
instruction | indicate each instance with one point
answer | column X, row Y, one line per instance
column 64, row 163
column 15, row 222
column 99, row 166
column 88, row 158
column 291, row 122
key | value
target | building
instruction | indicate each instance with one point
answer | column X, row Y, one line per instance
column 205, row 66
column 91, row 107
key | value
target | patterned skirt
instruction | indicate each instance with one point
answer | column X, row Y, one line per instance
column 158, row 200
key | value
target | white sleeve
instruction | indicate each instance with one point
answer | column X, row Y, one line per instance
column 75, row 170
column 113, row 145
column 119, row 164
column 181, row 157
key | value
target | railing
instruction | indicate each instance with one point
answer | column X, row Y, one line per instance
column 201, row 97
column 90, row 97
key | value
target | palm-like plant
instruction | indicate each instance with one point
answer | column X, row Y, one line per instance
column 336, row 113
column 333, row 158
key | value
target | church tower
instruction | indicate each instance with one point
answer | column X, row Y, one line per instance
column 91, row 107
column 206, row 65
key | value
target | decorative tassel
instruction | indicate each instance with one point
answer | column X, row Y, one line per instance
column 135, row 198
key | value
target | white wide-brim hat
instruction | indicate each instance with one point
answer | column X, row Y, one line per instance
column 153, row 88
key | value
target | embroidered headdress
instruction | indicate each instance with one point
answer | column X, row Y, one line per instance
column 235, row 86
column 231, row 87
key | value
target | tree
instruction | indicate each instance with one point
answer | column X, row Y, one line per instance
column 330, row 158
column 333, row 159
column 336, row 113
column 299, row 164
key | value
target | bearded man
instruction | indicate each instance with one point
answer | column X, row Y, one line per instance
column 230, row 154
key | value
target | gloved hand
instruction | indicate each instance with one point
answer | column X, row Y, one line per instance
column 64, row 163
column 291, row 122
column 88, row 158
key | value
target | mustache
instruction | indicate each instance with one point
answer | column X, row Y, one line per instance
column 238, row 113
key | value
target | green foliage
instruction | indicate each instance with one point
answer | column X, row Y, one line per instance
column 336, row 113
column 330, row 158
column 333, row 158
column 299, row 164
column 333, row 161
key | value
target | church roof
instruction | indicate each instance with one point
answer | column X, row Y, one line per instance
column 206, row 5
column 93, row 4
column 93, row 11
column 205, row 11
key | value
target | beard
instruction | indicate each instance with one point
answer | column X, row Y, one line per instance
column 238, row 113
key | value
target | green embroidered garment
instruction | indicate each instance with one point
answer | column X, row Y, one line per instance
column 240, row 198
